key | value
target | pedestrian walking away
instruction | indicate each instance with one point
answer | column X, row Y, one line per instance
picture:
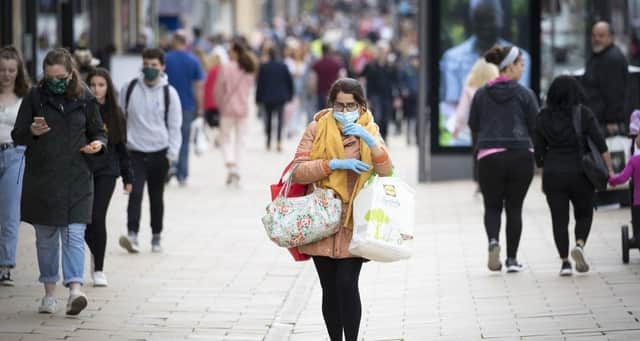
column 234, row 84
column 60, row 124
column 153, row 111
column 557, row 152
column 340, row 149
column 107, row 167
column 501, row 120
column 185, row 74
column 14, row 85
column 273, row 89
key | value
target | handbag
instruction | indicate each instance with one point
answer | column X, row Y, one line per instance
column 592, row 163
column 295, row 221
column 296, row 190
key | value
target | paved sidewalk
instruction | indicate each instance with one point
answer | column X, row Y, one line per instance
column 220, row 278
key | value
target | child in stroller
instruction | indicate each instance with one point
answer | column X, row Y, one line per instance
column 631, row 170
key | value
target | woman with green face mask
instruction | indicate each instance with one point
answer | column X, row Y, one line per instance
column 60, row 124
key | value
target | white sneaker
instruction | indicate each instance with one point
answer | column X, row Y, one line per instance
column 156, row 248
column 580, row 260
column 99, row 279
column 76, row 303
column 47, row 305
column 130, row 245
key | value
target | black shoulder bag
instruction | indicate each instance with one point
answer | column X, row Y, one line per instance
column 592, row 163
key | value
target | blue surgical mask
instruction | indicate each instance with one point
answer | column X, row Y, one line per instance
column 346, row 117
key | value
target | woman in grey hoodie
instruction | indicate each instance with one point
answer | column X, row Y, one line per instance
column 502, row 120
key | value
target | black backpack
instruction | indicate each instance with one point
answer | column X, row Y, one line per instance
column 167, row 100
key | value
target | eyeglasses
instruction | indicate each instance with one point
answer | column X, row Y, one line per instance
column 348, row 106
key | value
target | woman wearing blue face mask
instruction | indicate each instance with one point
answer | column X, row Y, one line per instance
column 340, row 149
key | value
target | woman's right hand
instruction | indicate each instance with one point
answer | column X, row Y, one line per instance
column 39, row 126
column 354, row 165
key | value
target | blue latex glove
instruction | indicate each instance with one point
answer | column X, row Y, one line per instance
column 353, row 129
column 349, row 164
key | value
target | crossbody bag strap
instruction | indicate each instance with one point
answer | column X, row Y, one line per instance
column 577, row 126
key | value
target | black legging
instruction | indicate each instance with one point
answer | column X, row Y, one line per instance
column 562, row 188
column 341, row 306
column 96, row 233
column 504, row 180
column 270, row 111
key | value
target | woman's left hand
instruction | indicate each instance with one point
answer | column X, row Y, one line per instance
column 92, row 147
column 353, row 129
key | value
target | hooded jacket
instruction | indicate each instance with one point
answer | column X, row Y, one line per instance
column 503, row 115
column 147, row 130
column 556, row 141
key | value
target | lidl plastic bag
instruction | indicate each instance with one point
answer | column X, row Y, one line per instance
column 383, row 220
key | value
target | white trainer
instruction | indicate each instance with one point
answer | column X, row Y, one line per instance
column 99, row 279
column 76, row 303
column 47, row 305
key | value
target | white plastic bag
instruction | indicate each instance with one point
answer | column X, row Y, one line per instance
column 383, row 220
column 199, row 136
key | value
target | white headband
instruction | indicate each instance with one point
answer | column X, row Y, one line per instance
column 510, row 58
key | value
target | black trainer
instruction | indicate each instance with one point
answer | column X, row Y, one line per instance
column 566, row 269
column 5, row 278
column 513, row 265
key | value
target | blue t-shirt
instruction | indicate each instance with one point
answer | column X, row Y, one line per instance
column 183, row 68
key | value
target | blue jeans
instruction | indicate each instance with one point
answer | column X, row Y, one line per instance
column 48, row 240
column 11, row 170
column 183, row 157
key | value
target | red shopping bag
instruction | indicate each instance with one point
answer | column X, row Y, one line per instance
column 295, row 190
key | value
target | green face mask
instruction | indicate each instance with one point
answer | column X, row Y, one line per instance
column 150, row 74
column 57, row 86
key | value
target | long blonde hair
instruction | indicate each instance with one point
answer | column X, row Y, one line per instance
column 481, row 73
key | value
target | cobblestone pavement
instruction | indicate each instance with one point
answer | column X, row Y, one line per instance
column 220, row 278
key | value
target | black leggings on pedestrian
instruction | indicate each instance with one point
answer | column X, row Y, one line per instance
column 562, row 189
column 341, row 306
column 504, row 180
column 96, row 233
column 149, row 168
column 272, row 110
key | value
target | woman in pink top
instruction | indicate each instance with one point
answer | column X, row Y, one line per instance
column 233, row 87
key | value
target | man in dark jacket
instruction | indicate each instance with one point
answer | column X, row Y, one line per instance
column 274, row 88
column 382, row 81
column 605, row 80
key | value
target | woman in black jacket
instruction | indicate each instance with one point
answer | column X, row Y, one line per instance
column 563, row 179
column 106, row 168
column 59, row 123
column 501, row 120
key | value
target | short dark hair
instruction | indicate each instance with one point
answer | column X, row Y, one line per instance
column 326, row 49
column 153, row 53
column 348, row 86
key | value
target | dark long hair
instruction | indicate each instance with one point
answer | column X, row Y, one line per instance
column 564, row 93
column 348, row 86
column 22, row 83
column 60, row 56
column 497, row 54
column 245, row 60
column 113, row 116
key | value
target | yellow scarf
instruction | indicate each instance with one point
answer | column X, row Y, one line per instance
column 328, row 145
